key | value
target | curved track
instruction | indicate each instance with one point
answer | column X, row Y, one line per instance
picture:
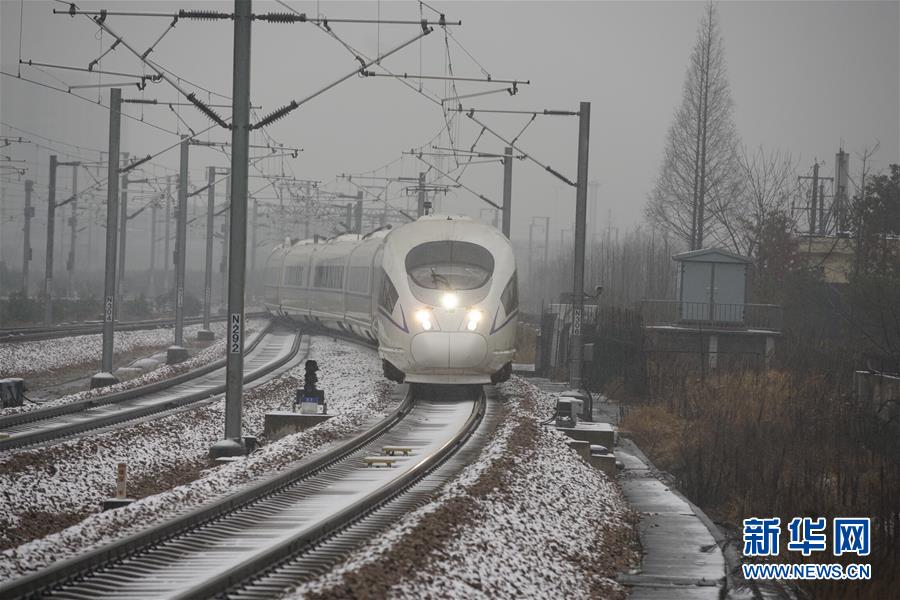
column 269, row 351
column 233, row 542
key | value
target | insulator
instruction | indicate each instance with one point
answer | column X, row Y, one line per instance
column 207, row 111
column 276, row 17
column 278, row 114
column 203, row 15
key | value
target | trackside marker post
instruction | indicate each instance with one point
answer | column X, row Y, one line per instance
column 121, row 498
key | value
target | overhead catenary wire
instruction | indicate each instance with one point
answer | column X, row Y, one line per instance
column 461, row 184
column 547, row 168
column 295, row 104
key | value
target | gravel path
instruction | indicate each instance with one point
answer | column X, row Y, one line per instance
column 528, row 519
column 72, row 478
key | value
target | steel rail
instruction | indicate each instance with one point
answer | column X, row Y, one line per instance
column 76, row 568
column 61, row 432
column 33, row 334
column 41, row 414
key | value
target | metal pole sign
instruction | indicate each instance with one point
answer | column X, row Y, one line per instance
column 236, row 334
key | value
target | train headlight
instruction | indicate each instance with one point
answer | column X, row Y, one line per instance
column 449, row 301
column 424, row 318
column 472, row 319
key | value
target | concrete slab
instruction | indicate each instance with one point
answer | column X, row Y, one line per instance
column 581, row 447
column 681, row 558
column 279, row 424
column 605, row 463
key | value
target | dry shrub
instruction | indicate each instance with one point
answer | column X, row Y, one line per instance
column 781, row 444
column 659, row 433
column 526, row 343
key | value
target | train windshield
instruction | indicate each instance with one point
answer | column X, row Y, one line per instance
column 449, row 265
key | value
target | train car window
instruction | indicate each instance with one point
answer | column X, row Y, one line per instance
column 388, row 297
column 358, row 281
column 293, row 276
column 449, row 264
column 510, row 296
column 329, row 277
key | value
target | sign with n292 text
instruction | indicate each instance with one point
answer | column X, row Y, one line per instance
column 235, row 335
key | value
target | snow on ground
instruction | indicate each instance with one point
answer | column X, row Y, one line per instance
column 74, row 477
column 21, row 359
column 528, row 519
column 209, row 354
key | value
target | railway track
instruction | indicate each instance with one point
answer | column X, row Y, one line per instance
column 292, row 525
column 269, row 351
column 34, row 334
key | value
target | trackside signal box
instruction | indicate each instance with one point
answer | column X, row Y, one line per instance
column 310, row 397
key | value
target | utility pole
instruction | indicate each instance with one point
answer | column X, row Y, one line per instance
column 359, row 212
column 223, row 265
column 177, row 353
column 154, row 207
column 206, row 334
column 507, row 189
column 308, row 214
column 233, row 443
column 253, row 225
column 123, row 232
column 421, row 205
column 105, row 376
column 73, row 230
column 815, row 190
column 26, row 240
column 576, row 363
column 168, row 258
column 48, row 262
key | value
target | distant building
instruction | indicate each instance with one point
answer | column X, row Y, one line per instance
column 832, row 257
column 711, row 317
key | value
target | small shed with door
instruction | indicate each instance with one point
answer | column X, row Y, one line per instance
column 712, row 286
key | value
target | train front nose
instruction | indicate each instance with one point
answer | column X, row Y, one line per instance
column 448, row 349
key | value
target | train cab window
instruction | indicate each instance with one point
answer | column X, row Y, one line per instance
column 450, row 265
column 388, row 297
column 510, row 296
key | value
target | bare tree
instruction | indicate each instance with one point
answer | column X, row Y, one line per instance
column 698, row 182
column 768, row 182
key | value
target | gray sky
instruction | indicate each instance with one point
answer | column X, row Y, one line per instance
column 805, row 76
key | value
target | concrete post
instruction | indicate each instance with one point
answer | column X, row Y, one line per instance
column 177, row 353
column 575, row 363
column 166, row 249
column 233, row 443
column 421, row 198
column 154, row 208
column 507, row 190
column 26, row 240
column 73, row 232
column 206, row 334
column 48, row 262
column 123, row 232
column 105, row 376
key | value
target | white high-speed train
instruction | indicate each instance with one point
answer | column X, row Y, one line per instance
column 439, row 295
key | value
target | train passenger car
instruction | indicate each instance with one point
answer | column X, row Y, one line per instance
column 439, row 295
